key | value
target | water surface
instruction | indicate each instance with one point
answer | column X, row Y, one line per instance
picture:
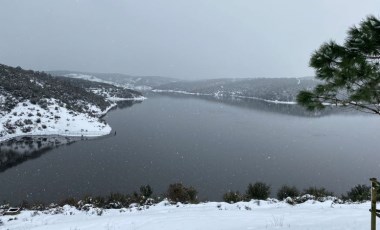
column 212, row 145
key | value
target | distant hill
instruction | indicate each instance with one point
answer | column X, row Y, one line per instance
column 276, row 89
column 121, row 80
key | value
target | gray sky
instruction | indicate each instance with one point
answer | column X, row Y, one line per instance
column 176, row 38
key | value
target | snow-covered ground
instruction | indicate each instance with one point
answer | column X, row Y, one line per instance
column 269, row 101
column 116, row 99
column 91, row 78
column 54, row 120
column 272, row 214
column 110, row 98
column 129, row 83
column 180, row 92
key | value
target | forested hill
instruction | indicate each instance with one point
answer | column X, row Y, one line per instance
column 18, row 85
column 127, row 81
column 281, row 89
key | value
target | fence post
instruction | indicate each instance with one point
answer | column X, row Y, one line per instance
column 374, row 186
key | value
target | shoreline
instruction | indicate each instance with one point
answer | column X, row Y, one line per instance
column 74, row 133
column 216, row 95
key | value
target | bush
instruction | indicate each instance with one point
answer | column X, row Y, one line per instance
column 232, row 197
column 259, row 191
column 318, row 192
column 117, row 200
column 28, row 122
column 97, row 201
column 116, row 197
column 19, row 123
column 26, row 129
column 179, row 193
column 146, row 191
column 69, row 201
column 359, row 193
column 287, row 191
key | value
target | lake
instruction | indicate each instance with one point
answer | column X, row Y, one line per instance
column 215, row 145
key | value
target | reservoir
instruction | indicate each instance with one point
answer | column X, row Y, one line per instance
column 214, row 145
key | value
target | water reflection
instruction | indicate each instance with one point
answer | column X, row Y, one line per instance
column 126, row 104
column 19, row 150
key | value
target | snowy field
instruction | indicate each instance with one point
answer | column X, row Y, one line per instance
column 310, row 215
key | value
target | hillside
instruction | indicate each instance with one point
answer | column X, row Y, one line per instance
column 121, row 80
column 36, row 103
column 273, row 89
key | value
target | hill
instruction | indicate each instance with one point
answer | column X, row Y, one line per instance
column 36, row 103
column 121, row 80
column 272, row 89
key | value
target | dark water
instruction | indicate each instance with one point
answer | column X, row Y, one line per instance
column 214, row 146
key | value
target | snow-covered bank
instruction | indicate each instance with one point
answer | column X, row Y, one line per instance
column 218, row 95
column 269, row 101
column 131, row 84
column 28, row 119
column 180, row 92
column 116, row 99
column 91, row 78
column 310, row 215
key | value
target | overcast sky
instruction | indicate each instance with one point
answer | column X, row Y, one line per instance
column 176, row 38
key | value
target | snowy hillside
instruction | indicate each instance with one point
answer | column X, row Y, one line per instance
column 27, row 118
column 255, row 214
column 35, row 103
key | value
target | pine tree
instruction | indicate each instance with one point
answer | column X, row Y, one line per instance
column 350, row 73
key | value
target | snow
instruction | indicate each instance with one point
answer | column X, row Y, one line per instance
column 110, row 98
column 142, row 87
column 255, row 214
column 270, row 101
column 58, row 121
column 88, row 78
column 116, row 99
column 96, row 79
column 180, row 92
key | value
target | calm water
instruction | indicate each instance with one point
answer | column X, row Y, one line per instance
column 208, row 144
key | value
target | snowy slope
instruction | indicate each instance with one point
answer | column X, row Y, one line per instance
column 139, row 83
column 36, row 103
column 310, row 215
column 29, row 119
column 129, row 85
column 90, row 78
